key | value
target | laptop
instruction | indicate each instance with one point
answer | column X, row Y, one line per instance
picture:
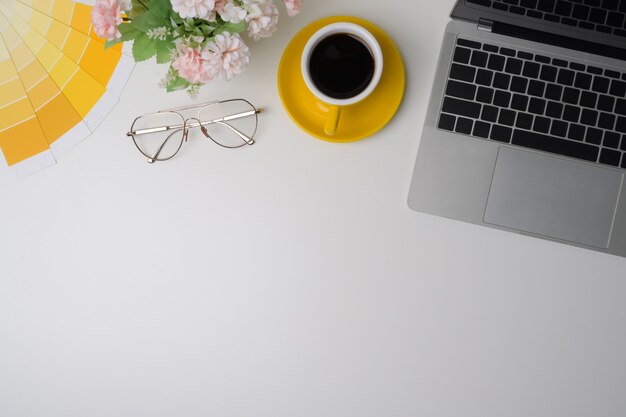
column 526, row 125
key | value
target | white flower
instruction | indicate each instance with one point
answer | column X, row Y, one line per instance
column 193, row 8
column 261, row 19
column 126, row 5
column 158, row 33
column 226, row 56
column 232, row 13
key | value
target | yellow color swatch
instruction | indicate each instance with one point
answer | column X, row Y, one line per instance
column 21, row 135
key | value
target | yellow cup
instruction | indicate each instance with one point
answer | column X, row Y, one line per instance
column 335, row 105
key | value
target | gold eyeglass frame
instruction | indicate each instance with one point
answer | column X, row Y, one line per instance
column 192, row 122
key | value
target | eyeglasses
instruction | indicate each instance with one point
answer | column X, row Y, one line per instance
column 229, row 123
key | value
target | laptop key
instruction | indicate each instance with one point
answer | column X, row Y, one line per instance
column 537, row 106
column 468, row 43
column 461, row 90
column 461, row 107
column 507, row 117
column 519, row 85
column 615, row 20
column 576, row 132
column 566, row 77
column 597, row 16
column 502, row 99
column 501, row 133
column 551, row 144
column 594, row 136
column 531, row 69
column 462, row 73
column 554, row 110
column 620, row 126
column 524, row 121
column 571, row 95
column 462, row 55
column 501, row 81
column 554, row 92
column 571, row 113
column 500, row 6
column 611, row 140
column 620, row 106
column 600, row 84
column 481, row 129
column 618, row 88
column 563, row 8
column 589, row 117
column 542, row 124
column 583, row 81
column 484, row 77
column 606, row 103
column 446, row 122
column 536, row 88
column 588, row 99
column 496, row 62
column 559, row 128
column 610, row 157
column 485, row 3
column 581, row 12
column 513, row 66
column 479, row 59
column 548, row 73
column 519, row 102
column 484, row 95
column 463, row 125
column 546, row 5
column 607, row 121
column 489, row 114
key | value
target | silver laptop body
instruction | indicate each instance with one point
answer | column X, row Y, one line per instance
column 542, row 174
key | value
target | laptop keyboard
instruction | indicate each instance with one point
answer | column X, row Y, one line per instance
column 605, row 16
column 535, row 101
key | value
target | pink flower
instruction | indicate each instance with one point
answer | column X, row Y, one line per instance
column 261, row 19
column 105, row 16
column 226, row 55
column 217, row 9
column 293, row 6
column 190, row 65
column 193, row 8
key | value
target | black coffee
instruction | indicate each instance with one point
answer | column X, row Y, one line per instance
column 341, row 66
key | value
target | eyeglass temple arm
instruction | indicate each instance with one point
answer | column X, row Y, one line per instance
column 195, row 124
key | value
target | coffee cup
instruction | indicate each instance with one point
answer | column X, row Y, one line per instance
column 341, row 65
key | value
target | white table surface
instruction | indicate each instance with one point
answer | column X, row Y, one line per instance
column 290, row 278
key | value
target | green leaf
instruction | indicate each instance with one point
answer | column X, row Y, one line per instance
column 230, row 27
column 164, row 52
column 177, row 83
column 149, row 20
column 128, row 34
column 144, row 48
column 161, row 8
column 128, row 31
column 206, row 29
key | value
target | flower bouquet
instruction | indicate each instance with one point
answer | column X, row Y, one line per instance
column 200, row 39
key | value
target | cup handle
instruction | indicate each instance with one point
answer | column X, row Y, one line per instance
column 332, row 120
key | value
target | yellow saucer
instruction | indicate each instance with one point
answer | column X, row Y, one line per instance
column 357, row 121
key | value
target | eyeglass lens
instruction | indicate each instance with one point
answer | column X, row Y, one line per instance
column 229, row 132
column 159, row 146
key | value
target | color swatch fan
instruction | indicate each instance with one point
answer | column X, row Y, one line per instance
column 57, row 80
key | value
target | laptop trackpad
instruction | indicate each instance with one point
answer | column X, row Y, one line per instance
column 553, row 197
